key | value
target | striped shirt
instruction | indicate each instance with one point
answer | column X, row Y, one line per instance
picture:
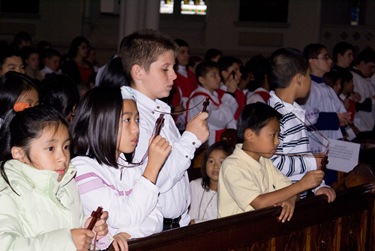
column 293, row 140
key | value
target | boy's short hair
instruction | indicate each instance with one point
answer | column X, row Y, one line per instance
column 366, row 55
column 49, row 53
column 313, row 50
column 285, row 64
column 331, row 77
column 203, row 68
column 227, row 61
column 181, row 42
column 143, row 48
column 9, row 53
column 341, row 48
column 212, row 53
column 255, row 116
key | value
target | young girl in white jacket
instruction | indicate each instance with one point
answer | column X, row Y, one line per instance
column 40, row 205
column 106, row 125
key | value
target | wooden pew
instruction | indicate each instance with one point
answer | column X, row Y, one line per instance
column 346, row 224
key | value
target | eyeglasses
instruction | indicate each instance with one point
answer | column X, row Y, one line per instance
column 325, row 57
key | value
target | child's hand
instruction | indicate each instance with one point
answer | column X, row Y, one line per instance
column 198, row 126
column 101, row 227
column 312, row 179
column 318, row 158
column 328, row 191
column 158, row 151
column 287, row 209
column 346, row 103
column 82, row 238
column 120, row 242
column 355, row 96
column 232, row 85
column 344, row 118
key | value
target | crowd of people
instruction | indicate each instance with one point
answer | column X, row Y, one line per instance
column 75, row 136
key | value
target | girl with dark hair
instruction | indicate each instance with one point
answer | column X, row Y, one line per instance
column 77, row 67
column 113, row 74
column 16, row 89
column 40, row 205
column 104, row 127
column 203, row 205
column 61, row 93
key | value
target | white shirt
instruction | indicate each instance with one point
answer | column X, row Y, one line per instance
column 173, row 181
column 220, row 117
column 253, row 97
column 130, row 201
column 323, row 98
column 364, row 120
column 203, row 205
column 293, row 140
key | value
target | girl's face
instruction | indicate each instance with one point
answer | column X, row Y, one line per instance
column 13, row 63
column 31, row 97
column 337, row 86
column 82, row 49
column 348, row 87
column 33, row 61
column 213, row 164
column 49, row 151
column 211, row 81
column 266, row 141
column 129, row 128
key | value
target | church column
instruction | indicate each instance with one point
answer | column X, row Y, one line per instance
column 138, row 14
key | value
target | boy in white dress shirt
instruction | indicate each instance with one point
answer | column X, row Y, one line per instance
column 148, row 58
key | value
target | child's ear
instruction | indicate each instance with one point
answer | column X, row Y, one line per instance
column 136, row 72
column 224, row 73
column 298, row 79
column 249, row 135
column 18, row 153
column 201, row 80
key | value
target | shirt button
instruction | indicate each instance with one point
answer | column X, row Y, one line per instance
column 193, row 143
column 186, row 156
column 153, row 112
column 158, row 107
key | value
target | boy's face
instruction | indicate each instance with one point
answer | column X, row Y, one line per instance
column 345, row 59
column 233, row 68
column 53, row 63
column 321, row 64
column 367, row 69
column 13, row 63
column 266, row 141
column 157, row 82
column 306, row 84
column 211, row 81
column 183, row 55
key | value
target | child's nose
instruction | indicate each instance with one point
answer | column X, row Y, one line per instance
column 173, row 75
column 63, row 156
